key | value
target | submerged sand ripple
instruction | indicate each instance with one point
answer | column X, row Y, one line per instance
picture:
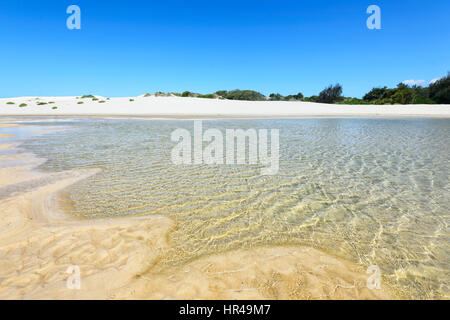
column 118, row 257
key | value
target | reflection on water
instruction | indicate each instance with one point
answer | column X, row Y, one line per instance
column 374, row 191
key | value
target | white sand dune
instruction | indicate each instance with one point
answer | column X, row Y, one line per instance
column 176, row 107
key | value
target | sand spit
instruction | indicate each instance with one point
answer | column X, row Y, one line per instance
column 118, row 257
column 176, row 107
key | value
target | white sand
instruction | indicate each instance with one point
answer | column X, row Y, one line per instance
column 177, row 107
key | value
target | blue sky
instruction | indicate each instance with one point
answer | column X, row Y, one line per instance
column 127, row 48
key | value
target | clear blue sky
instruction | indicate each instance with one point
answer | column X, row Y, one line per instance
column 127, row 48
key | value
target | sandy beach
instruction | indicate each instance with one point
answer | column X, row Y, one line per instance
column 177, row 107
column 117, row 255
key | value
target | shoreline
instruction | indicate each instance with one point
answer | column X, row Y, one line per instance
column 231, row 117
column 117, row 256
column 189, row 108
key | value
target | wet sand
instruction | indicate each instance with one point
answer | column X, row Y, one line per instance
column 117, row 256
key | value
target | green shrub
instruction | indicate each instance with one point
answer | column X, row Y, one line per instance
column 41, row 103
column 207, row 96
column 131, row 100
column 311, row 99
column 102, row 101
column 403, row 96
column 421, row 100
column 296, row 97
column 87, row 96
column 54, row 108
column 248, row 95
column 94, row 99
column 80, row 102
column 22, row 105
column 275, row 97
column 10, row 102
column 352, row 101
column 51, row 102
column 222, row 93
column 187, row 94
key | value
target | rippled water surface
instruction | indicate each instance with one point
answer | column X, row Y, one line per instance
column 374, row 191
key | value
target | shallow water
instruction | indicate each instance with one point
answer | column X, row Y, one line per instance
column 374, row 191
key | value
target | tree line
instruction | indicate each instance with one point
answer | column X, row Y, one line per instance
column 437, row 92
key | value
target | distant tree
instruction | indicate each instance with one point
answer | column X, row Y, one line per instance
column 331, row 94
column 275, row 97
column 421, row 100
column 294, row 97
column 402, row 85
column 187, row 94
column 440, row 90
column 222, row 93
column 421, row 92
column 298, row 96
column 403, row 95
column 375, row 94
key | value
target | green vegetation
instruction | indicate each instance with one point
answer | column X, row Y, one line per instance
column 291, row 97
column 349, row 100
column 248, row 95
column 22, row 105
column 437, row 92
column 275, row 97
column 10, row 102
column 131, row 100
column 311, row 99
column 41, row 103
column 208, row 96
column 94, row 99
column 80, row 102
column 87, row 96
column 51, row 102
column 54, row 108
column 102, row 101
column 331, row 94
column 188, row 94
column 440, row 90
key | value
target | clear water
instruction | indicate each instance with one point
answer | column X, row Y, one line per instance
column 374, row 191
